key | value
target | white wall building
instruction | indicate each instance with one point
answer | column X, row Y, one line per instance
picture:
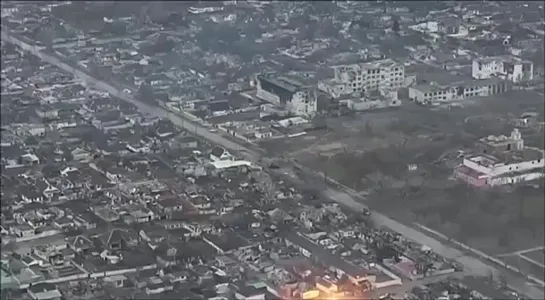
column 433, row 93
column 296, row 98
column 506, row 67
column 358, row 78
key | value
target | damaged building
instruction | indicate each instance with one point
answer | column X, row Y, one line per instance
column 383, row 74
column 295, row 97
column 366, row 86
column 505, row 67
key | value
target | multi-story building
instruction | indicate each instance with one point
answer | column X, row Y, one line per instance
column 434, row 93
column 507, row 67
column 383, row 74
column 295, row 97
column 501, row 160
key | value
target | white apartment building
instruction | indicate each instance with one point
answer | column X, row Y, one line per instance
column 385, row 74
column 434, row 94
column 295, row 97
column 510, row 163
column 507, row 67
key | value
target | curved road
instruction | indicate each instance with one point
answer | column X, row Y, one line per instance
column 471, row 264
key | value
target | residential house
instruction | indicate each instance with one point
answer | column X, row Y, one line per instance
column 187, row 142
column 46, row 188
column 170, row 204
column 118, row 239
column 86, row 221
column 219, row 153
column 29, row 159
column 64, row 223
column 449, row 25
column 80, row 244
column 44, row 291
column 31, row 195
column 23, row 230
column 47, row 111
column 138, row 214
column 81, row 155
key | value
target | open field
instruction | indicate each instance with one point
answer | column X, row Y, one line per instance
column 370, row 153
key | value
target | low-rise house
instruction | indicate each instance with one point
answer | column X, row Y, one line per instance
column 23, row 230
column 219, row 153
column 138, row 214
column 187, row 142
column 85, row 221
column 47, row 111
column 105, row 213
column 29, row 159
column 170, row 204
column 138, row 147
column 46, row 188
column 80, row 244
column 31, row 195
column 118, row 239
column 64, row 223
column 80, row 155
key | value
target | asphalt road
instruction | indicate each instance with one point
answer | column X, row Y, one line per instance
column 471, row 264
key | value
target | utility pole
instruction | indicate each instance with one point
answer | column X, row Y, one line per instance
column 326, row 168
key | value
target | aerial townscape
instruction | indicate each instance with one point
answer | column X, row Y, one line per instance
column 264, row 150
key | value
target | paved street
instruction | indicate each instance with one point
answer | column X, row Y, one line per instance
column 471, row 264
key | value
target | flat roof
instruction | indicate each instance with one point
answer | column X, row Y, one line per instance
column 387, row 62
column 281, row 81
column 503, row 58
column 507, row 157
column 484, row 160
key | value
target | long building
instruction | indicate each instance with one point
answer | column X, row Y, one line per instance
column 294, row 96
column 435, row 93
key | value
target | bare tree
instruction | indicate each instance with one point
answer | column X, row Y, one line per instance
column 269, row 191
column 369, row 130
column 267, row 188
